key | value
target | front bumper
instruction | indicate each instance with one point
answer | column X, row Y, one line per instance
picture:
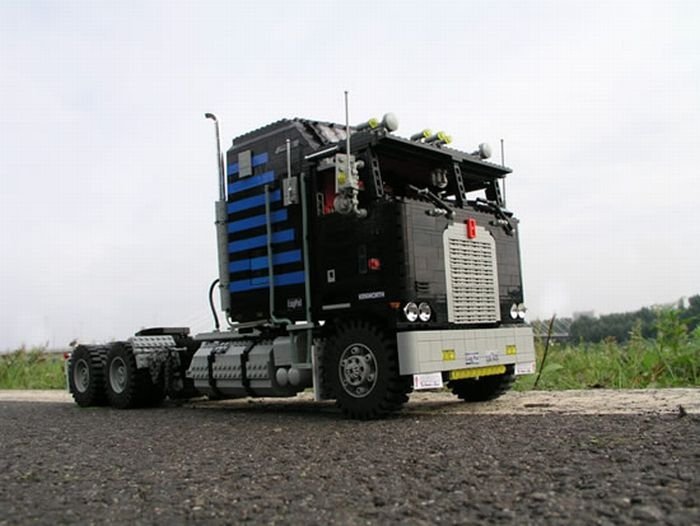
column 424, row 351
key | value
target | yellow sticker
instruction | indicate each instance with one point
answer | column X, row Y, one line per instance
column 491, row 370
column 448, row 355
column 511, row 350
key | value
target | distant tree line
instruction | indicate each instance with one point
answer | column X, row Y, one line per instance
column 646, row 322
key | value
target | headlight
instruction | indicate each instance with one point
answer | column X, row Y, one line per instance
column 518, row 311
column 424, row 312
column 521, row 311
column 411, row 311
column 514, row 311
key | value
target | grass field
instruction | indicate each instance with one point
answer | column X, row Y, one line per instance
column 673, row 360
column 637, row 364
column 31, row 369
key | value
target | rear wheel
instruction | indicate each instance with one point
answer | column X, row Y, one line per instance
column 484, row 388
column 127, row 386
column 85, row 376
column 360, row 368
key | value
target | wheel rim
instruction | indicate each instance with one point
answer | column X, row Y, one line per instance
column 81, row 376
column 357, row 370
column 117, row 375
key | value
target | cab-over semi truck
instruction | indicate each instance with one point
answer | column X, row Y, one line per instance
column 352, row 262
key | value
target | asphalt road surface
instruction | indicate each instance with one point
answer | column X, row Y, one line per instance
column 525, row 459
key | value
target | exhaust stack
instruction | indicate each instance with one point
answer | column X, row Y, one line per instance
column 220, row 222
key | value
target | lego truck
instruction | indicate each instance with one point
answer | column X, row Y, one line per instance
column 351, row 262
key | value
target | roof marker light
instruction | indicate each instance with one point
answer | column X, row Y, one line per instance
column 390, row 122
column 484, row 151
column 439, row 138
column 421, row 135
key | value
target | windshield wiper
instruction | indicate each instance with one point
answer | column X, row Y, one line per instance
column 499, row 212
column 434, row 199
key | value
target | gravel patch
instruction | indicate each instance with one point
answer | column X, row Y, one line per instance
column 274, row 463
column 590, row 401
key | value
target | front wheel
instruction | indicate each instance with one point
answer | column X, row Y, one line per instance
column 360, row 367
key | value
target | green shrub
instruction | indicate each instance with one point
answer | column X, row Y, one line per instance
column 672, row 360
column 31, row 369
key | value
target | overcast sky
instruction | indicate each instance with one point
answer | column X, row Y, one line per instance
column 108, row 166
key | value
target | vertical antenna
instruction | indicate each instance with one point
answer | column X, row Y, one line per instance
column 289, row 159
column 347, row 133
column 503, row 163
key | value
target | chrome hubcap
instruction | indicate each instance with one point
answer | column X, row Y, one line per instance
column 117, row 375
column 357, row 370
column 81, row 376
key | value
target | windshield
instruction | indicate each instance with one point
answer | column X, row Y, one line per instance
column 403, row 175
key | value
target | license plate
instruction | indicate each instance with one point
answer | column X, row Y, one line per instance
column 427, row 381
column 525, row 368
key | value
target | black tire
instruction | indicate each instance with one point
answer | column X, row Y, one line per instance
column 128, row 387
column 360, row 368
column 86, row 376
column 484, row 388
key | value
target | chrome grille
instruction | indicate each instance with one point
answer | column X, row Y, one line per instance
column 472, row 276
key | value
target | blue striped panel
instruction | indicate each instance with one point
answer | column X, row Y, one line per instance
column 262, row 281
column 241, row 265
column 256, row 221
column 291, row 278
column 256, row 161
column 251, row 182
column 260, row 241
column 252, row 202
